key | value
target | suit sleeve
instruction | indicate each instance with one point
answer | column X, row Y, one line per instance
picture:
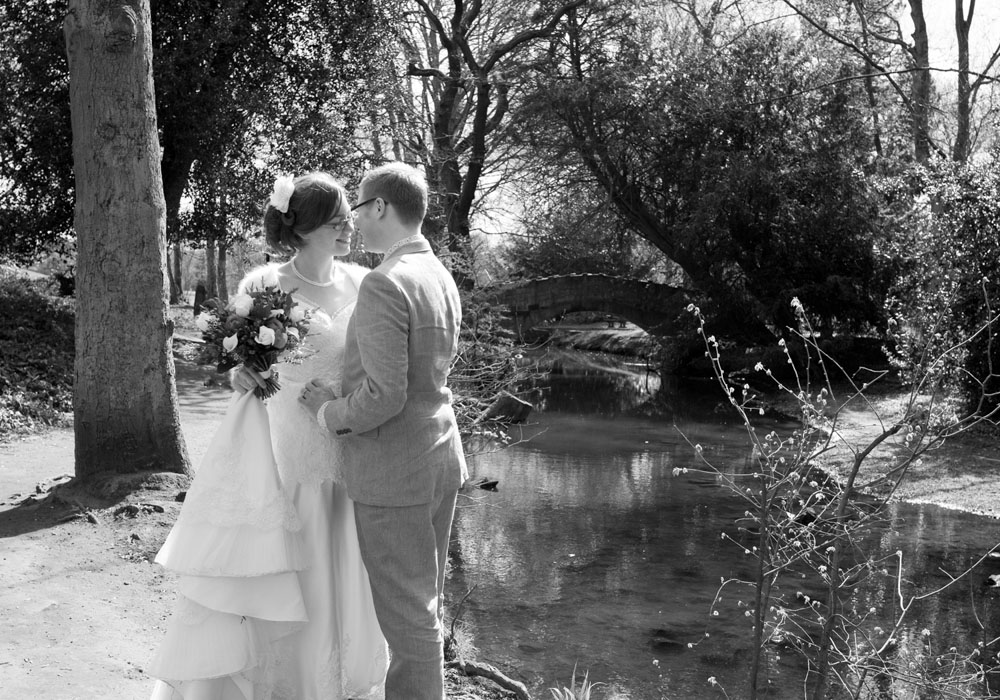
column 382, row 324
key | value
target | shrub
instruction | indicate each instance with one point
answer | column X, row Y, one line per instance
column 948, row 252
column 36, row 360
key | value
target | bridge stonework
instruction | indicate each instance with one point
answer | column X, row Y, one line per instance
column 651, row 306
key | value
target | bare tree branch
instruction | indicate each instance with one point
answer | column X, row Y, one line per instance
column 531, row 34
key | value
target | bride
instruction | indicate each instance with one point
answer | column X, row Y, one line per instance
column 253, row 641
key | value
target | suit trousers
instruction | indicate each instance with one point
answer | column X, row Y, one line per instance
column 405, row 550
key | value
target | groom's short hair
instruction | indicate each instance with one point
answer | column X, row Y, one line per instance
column 401, row 185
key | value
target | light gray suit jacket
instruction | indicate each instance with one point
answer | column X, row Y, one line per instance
column 401, row 439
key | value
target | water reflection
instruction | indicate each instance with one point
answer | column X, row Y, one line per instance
column 592, row 552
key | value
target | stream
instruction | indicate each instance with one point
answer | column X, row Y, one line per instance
column 592, row 554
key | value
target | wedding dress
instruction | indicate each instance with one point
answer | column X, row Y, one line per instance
column 274, row 602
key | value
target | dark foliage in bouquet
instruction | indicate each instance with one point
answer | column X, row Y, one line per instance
column 253, row 329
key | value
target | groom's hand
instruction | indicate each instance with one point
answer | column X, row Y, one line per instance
column 315, row 394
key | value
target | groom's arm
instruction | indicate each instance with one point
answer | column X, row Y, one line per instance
column 382, row 325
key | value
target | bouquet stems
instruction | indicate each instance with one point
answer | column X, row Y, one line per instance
column 270, row 377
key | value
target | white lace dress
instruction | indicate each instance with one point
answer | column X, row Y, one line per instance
column 282, row 610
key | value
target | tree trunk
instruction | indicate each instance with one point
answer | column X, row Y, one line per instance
column 236, row 261
column 870, row 69
column 220, row 274
column 454, row 192
column 211, row 258
column 171, row 281
column 178, row 277
column 176, row 166
column 960, row 152
column 124, row 399
column 921, row 91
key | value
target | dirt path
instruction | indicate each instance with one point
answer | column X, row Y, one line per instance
column 82, row 605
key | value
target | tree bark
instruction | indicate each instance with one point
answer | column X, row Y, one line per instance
column 178, row 277
column 870, row 69
column 236, row 260
column 921, row 90
column 125, row 402
column 172, row 284
column 211, row 259
column 963, row 136
column 175, row 168
column 220, row 274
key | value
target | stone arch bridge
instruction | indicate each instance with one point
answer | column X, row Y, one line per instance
column 651, row 306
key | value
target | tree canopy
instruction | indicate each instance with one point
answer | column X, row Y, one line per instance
column 756, row 192
column 749, row 143
column 246, row 87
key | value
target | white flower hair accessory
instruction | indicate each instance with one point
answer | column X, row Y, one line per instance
column 284, row 188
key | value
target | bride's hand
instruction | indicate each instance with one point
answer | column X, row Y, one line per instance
column 244, row 380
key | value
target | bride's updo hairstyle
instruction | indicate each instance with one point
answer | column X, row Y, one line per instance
column 298, row 207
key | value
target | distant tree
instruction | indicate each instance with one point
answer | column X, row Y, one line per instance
column 578, row 230
column 871, row 31
column 124, row 405
column 468, row 59
column 249, row 89
column 36, row 167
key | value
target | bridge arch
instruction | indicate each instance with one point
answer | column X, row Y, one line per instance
column 651, row 306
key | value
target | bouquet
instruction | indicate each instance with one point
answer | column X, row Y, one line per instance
column 253, row 329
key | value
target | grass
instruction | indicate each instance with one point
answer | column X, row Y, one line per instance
column 575, row 692
column 36, row 357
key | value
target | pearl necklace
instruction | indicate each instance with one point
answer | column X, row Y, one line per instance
column 399, row 244
column 295, row 271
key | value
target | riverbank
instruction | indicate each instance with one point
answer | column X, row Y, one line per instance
column 961, row 474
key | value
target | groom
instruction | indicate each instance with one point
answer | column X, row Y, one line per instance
column 404, row 460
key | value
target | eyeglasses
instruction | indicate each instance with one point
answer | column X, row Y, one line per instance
column 339, row 225
column 361, row 204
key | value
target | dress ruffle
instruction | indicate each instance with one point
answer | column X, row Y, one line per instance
column 236, row 547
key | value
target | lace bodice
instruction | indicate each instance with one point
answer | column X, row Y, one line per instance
column 305, row 452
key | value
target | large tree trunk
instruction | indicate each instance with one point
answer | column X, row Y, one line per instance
column 921, row 90
column 125, row 402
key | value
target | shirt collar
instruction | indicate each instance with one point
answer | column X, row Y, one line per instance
column 406, row 241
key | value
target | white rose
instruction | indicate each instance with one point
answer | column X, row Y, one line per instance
column 265, row 336
column 275, row 312
column 284, row 188
column 296, row 314
column 294, row 332
column 241, row 304
column 229, row 344
column 204, row 320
